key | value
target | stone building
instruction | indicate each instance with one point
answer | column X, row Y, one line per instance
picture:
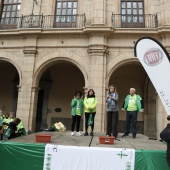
column 51, row 48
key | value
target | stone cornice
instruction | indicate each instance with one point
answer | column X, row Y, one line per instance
column 30, row 50
column 87, row 29
column 35, row 89
column 97, row 48
column 85, row 90
column 19, row 88
column 164, row 29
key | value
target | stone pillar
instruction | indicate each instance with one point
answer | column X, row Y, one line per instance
column 25, row 90
column 15, row 95
column 97, row 78
column 33, row 109
column 99, row 12
column 165, row 5
column 28, row 7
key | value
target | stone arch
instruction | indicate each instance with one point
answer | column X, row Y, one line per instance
column 51, row 62
column 15, row 65
column 117, row 75
column 120, row 63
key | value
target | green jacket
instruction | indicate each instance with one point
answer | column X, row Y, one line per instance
column 74, row 104
column 90, row 102
column 138, row 102
column 8, row 120
column 2, row 117
column 21, row 129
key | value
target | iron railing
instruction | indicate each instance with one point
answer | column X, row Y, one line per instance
column 43, row 21
column 134, row 21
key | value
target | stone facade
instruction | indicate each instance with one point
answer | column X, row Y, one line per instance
column 48, row 65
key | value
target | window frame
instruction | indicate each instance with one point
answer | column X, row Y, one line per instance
column 11, row 7
column 130, row 18
column 65, row 19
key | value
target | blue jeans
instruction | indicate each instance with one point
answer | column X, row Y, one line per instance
column 131, row 116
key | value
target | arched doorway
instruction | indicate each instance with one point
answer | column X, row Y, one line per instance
column 132, row 74
column 57, row 84
column 8, row 87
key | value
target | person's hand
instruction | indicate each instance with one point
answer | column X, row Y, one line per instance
column 142, row 110
column 123, row 109
column 108, row 96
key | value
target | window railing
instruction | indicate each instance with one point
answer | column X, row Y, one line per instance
column 134, row 21
column 43, row 21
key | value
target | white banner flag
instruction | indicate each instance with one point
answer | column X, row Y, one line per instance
column 155, row 60
column 59, row 157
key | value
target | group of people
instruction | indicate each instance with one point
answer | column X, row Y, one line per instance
column 79, row 106
column 132, row 105
column 10, row 127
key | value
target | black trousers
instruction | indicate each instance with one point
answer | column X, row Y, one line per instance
column 86, row 120
column 75, row 120
column 112, row 123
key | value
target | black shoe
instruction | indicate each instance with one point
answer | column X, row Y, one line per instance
column 115, row 136
column 134, row 137
column 91, row 134
column 86, row 134
column 124, row 136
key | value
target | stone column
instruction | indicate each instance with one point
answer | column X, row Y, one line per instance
column 25, row 90
column 15, row 95
column 97, row 77
column 33, row 109
column 99, row 12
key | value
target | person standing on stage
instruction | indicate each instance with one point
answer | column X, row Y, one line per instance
column 77, row 110
column 90, row 103
column 133, row 104
column 112, row 112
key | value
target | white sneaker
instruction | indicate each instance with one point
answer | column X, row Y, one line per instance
column 78, row 134
column 72, row 133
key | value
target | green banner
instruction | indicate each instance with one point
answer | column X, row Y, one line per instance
column 24, row 156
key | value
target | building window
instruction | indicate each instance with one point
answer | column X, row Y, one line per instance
column 66, row 11
column 10, row 11
column 132, row 13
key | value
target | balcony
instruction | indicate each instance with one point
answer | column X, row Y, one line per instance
column 43, row 21
column 134, row 21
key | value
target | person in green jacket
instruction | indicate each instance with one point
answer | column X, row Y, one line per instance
column 2, row 117
column 8, row 118
column 77, row 105
column 90, row 103
column 133, row 104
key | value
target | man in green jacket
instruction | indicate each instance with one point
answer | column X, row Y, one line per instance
column 132, row 105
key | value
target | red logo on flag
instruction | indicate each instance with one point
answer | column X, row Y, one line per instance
column 153, row 57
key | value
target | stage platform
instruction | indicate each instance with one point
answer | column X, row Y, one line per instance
column 24, row 153
column 64, row 138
